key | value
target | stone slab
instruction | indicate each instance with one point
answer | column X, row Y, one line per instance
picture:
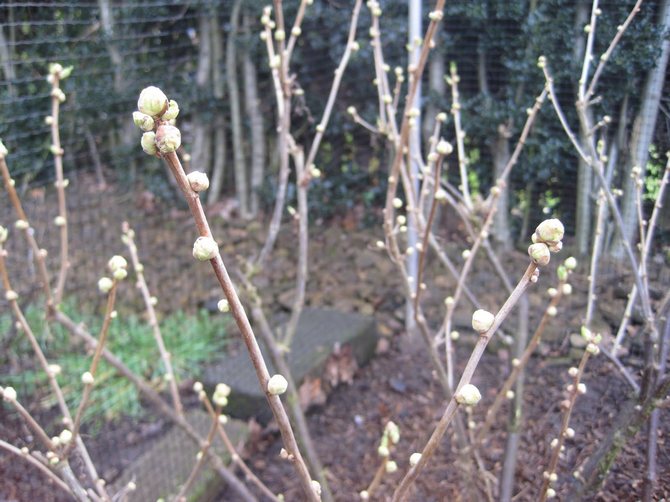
column 165, row 466
column 318, row 332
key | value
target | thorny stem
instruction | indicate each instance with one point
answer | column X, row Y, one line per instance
column 33, row 461
column 129, row 240
column 471, row 366
column 244, row 326
column 60, row 188
column 88, row 387
column 556, row 452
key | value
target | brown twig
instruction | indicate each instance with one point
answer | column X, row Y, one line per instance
column 129, row 240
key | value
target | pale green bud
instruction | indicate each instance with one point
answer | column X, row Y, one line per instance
column 277, row 385
column 223, row 306
column 3, row 150
column 539, row 253
column 148, row 143
column 199, row 181
column 172, row 111
column 9, row 394
column 205, row 248
column 152, row 101
column 414, row 458
column 468, row 395
column 482, row 320
column 105, row 284
column 444, row 147
column 570, row 263
column 391, row 467
column 168, row 138
column 4, row 233
column 550, row 230
column 143, row 121
column 87, row 378
column 117, row 262
column 120, row 274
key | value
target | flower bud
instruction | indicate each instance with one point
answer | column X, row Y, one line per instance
column 277, row 385
column 482, row 320
column 120, row 274
column 105, row 284
column 116, row 262
column 468, row 395
column 11, row 295
column 539, row 253
column 562, row 273
column 205, row 248
column 152, row 101
column 4, row 233
column 364, row 495
column 55, row 68
column 199, row 181
column 383, row 451
column 393, row 432
column 296, row 31
column 168, row 138
column 570, row 263
column 316, row 487
column 444, row 147
column 567, row 289
column 87, row 378
column 172, row 111
column 3, row 150
column 60, row 221
column 220, row 396
column 143, row 121
column 197, row 387
column 351, row 110
column 148, row 143
column 391, row 467
column 54, row 369
column 414, row 458
column 223, row 306
column 9, row 394
column 397, row 202
column 550, row 231
column 65, row 436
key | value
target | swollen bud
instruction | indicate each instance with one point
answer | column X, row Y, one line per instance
column 105, row 284
column 148, row 143
column 444, row 147
column 4, row 233
column 199, row 181
column 172, row 111
column 143, row 121
column 550, row 231
column 205, row 248
column 539, row 253
column 482, row 320
column 468, row 395
column 277, row 385
column 152, row 101
column 168, row 138
column 3, row 150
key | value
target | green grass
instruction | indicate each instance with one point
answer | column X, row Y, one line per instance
column 193, row 340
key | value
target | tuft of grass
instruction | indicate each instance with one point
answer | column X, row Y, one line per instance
column 192, row 339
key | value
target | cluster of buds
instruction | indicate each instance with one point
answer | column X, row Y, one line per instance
column 390, row 437
column 118, row 266
column 58, row 72
column 155, row 116
column 547, row 239
column 220, row 396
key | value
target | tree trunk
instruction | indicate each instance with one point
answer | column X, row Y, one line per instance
column 501, row 155
column 253, row 109
column 202, row 143
column 642, row 136
column 219, row 132
column 6, row 61
column 437, row 88
column 235, row 114
column 584, row 175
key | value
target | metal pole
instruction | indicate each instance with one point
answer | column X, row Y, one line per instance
column 414, row 34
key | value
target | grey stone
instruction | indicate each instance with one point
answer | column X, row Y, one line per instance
column 166, row 465
column 319, row 330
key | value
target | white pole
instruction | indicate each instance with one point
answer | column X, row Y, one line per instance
column 414, row 34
